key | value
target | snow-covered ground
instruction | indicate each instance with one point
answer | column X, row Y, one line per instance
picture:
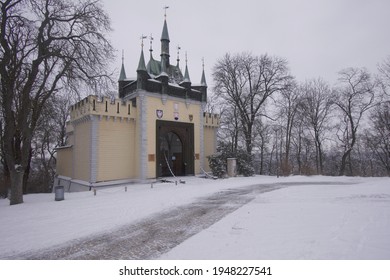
column 348, row 219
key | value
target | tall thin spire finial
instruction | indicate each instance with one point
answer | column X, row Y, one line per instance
column 186, row 74
column 203, row 79
column 151, row 42
column 122, row 75
column 165, row 12
column 142, row 40
column 178, row 54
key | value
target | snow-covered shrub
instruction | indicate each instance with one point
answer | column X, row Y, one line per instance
column 217, row 165
column 218, row 162
column 244, row 164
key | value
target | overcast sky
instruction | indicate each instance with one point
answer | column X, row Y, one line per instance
column 317, row 37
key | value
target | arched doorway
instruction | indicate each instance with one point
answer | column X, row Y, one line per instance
column 171, row 154
column 174, row 148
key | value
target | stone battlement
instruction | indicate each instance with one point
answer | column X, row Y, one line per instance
column 103, row 106
column 210, row 119
column 112, row 107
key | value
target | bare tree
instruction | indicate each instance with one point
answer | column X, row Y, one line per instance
column 46, row 45
column 246, row 82
column 315, row 106
column 378, row 137
column 354, row 97
column 50, row 134
column 262, row 138
column 288, row 104
column 230, row 129
column 384, row 75
column 299, row 143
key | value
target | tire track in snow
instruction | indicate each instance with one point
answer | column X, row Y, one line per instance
column 155, row 235
column 158, row 234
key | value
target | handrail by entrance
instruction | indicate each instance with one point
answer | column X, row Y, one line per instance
column 169, row 167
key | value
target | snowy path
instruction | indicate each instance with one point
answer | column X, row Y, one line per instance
column 302, row 222
column 237, row 218
column 155, row 235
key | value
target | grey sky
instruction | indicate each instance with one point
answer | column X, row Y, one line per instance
column 317, row 37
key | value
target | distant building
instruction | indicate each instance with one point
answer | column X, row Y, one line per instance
column 155, row 128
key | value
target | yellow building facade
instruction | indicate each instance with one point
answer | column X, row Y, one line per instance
column 156, row 127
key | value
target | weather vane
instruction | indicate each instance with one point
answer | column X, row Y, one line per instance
column 142, row 40
column 151, row 41
column 165, row 13
column 178, row 52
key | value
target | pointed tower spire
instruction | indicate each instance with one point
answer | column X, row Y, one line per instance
column 203, row 79
column 165, row 35
column 203, row 84
column 141, row 63
column 186, row 82
column 153, row 67
column 186, row 74
column 142, row 73
column 165, row 43
column 122, row 75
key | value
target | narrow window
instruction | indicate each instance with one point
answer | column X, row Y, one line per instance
column 106, row 106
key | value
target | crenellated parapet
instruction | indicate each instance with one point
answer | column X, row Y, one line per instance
column 211, row 120
column 103, row 106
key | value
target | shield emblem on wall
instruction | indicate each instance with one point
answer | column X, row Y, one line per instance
column 159, row 113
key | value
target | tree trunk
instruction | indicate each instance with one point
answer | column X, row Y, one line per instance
column 262, row 158
column 344, row 162
column 270, row 171
column 16, row 189
column 350, row 165
column 299, row 153
column 235, row 147
column 248, row 138
column 317, row 158
column 27, row 174
column 320, row 158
